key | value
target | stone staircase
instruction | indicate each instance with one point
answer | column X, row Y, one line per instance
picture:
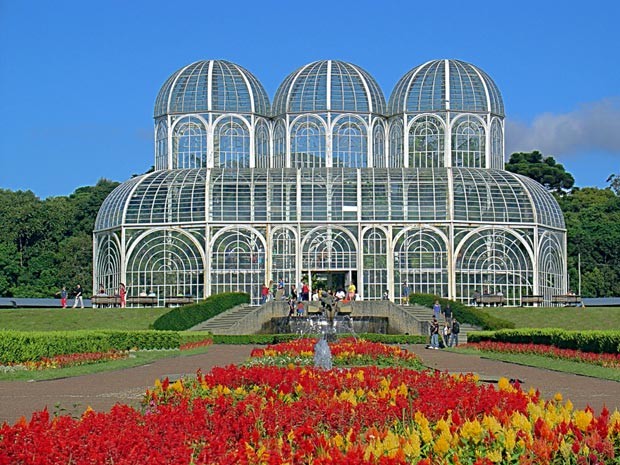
column 425, row 315
column 221, row 324
column 228, row 321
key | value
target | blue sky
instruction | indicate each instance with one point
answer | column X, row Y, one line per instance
column 78, row 79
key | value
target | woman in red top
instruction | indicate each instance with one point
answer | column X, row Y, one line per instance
column 122, row 292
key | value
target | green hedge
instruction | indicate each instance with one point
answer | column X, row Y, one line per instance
column 183, row 318
column 18, row 346
column 463, row 313
column 586, row 341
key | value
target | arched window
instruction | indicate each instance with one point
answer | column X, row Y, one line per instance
column 262, row 145
column 349, row 144
column 168, row 263
column 421, row 261
column 161, row 147
column 308, row 143
column 237, row 263
column 468, row 143
column 279, row 145
column 375, row 264
column 396, row 144
column 550, row 263
column 189, row 144
column 426, row 143
column 497, row 145
column 108, row 261
column 231, row 144
column 329, row 249
column 493, row 260
column 378, row 140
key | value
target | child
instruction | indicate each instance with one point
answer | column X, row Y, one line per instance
column 300, row 308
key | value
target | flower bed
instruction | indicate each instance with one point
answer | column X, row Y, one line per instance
column 604, row 360
column 345, row 352
column 304, row 415
column 70, row 360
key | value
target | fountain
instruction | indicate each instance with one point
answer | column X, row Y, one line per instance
column 322, row 355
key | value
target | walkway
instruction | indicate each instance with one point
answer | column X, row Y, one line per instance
column 101, row 391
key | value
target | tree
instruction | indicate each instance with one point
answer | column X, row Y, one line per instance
column 614, row 183
column 545, row 170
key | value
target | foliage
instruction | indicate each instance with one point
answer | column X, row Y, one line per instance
column 545, row 170
column 587, row 341
column 47, row 244
column 464, row 314
column 19, row 347
column 614, row 183
column 182, row 318
column 593, row 228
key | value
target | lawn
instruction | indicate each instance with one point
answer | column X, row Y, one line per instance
column 72, row 319
column 570, row 318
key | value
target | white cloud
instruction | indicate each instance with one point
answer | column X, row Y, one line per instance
column 594, row 126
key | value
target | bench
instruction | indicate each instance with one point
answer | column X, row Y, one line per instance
column 491, row 300
column 178, row 300
column 531, row 299
column 105, row 301
column 568, row 299
column 142, row 300
column 344, row 309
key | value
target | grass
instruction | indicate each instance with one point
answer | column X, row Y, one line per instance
column 549, row 363
column 569, row 318
column 26, row 319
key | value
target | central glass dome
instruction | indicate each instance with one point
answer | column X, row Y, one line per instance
column 329, row 85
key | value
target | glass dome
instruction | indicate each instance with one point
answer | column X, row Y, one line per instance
column 446, row 85
column 396, row 194
column 329, row 85
column 212, row 86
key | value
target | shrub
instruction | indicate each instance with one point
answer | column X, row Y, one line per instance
column 586, row 341
column 463, row 313
column 183, row 318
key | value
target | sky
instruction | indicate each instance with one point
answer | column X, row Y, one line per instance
column 78, row 79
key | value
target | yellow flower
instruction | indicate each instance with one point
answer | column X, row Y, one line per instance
column 360, row 375
column 490, row 423
column 472, row 430
column 558, row 397
column 511, row 437
column 495, row 456
column 504, row 385
column 442, row 445
column 583, row 419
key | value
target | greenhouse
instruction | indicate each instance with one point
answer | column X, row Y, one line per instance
column 329, row 186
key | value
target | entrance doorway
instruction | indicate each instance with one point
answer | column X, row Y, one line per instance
column 334, row 280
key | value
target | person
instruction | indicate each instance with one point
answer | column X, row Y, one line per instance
column 291, row 307
column 340, row 294
column 386, row 295
column 63, row 297
column 434, row 330
column 454, row 333
column 436, row 310
column 151, row 293
column 293, row 292
column 143, row 293
column 102, row 291
column 445, row 335
column 315, row 296
column 447, row 314
column 264, row 292
column 475, row 298
column 122, row 293
column 305, row 292
column 351, row 291
column 300, row 308
column 405, row 294
column 78, row 296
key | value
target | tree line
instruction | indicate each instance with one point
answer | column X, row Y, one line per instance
column 47, row 244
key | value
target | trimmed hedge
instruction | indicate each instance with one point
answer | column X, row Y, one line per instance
column 586, row 341
column 183, row 318
column 18, row 346
column 463, row 313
